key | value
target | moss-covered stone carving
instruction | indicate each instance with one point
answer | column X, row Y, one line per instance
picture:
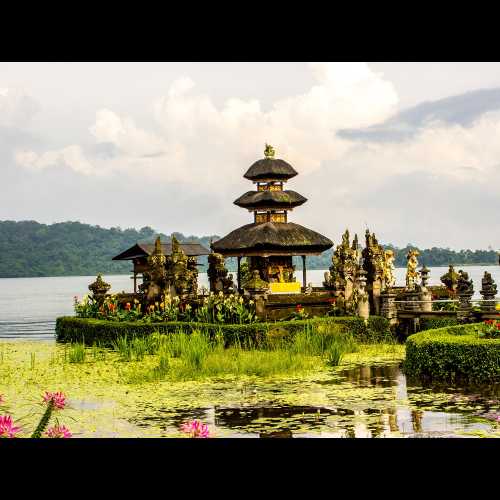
column 411, row 270
column 450, row 279
column 218, row 276
column 99, row 288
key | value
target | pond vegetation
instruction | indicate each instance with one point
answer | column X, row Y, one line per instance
column 151, row 388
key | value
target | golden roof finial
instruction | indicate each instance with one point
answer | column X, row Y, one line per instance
column 269, row 151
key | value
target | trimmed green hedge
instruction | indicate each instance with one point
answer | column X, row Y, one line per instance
column 91, row 331
column 453, row 352
column 434, row 323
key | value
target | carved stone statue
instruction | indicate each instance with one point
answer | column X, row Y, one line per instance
column 465, row 291
column 269, row 151
column 373, row 264
column 345, row 264
column 99, row 288
column 411, row 269
column 362, row 299
column 179, row 275
column 218, row 274
column 155, row 278
column 344, row 269
column 450, row 279
column 388, row 270
column 464, row 285
column 255, row 284
column 488, row 292
column 373, row 256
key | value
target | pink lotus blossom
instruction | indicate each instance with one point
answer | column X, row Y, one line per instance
column 57, row 398
column 6, row 427
column 196, row 429
column 58, row 431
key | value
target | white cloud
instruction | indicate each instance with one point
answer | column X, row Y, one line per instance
column 196, row 139
column 71, row 157
column 16, row 107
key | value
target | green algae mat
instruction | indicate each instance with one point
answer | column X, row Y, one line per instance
column 365, row 396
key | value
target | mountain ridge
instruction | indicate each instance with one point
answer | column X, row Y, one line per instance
column 33, row 249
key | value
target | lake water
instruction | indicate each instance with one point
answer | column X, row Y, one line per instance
column 29, row 306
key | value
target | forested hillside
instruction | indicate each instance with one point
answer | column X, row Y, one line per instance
column 28, row 248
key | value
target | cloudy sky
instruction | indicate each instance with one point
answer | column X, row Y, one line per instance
column 410, row 149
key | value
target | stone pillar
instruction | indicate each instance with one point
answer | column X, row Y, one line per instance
column 388, row 309
column 426, row 300
column 412, row 297
column 376, row 290
column 304, row 272
column 363, row 303
column 488, row 292
column 464, row 306
column 465, row 291
column 260, row 305
column 425, row 295
column 239, row 274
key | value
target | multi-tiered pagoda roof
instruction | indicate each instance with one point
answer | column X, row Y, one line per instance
column 271, row 233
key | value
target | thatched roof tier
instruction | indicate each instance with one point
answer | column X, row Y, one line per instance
column 270, row 199
column 270, row 169
column 272, row 238
column 145, row 249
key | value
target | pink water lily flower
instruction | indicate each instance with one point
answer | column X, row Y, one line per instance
column 58, row 431
column 7, row 428
column 196, row 429
column 57, row 398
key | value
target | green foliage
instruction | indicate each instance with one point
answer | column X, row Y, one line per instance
column 454, row 352
column 433, row 323
column 71, row 329
column 216, row 308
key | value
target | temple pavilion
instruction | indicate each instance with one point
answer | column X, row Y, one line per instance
column 140, row 252
column 270, row 241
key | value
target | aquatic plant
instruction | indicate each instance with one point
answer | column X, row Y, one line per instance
column 76, row 353
column 58, row 399
column 334, row 354
column 58, row 431
column 7, row 429
column 54, row 401
column 195, row 429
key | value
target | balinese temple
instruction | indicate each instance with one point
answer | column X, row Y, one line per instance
column 140, row 252
column 270, row 241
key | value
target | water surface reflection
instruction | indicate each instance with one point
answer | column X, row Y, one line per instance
column 359, row 401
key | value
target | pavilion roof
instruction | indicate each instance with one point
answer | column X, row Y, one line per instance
column 145, row 249
column 270, row 199
column 272, row 238
column 270, row 169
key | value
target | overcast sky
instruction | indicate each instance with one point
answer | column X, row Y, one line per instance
column 410, row 149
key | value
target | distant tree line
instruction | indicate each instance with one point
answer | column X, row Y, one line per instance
column 30, row 249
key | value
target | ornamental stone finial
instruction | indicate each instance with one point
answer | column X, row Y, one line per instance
column 99, row 287
column 269, row 151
